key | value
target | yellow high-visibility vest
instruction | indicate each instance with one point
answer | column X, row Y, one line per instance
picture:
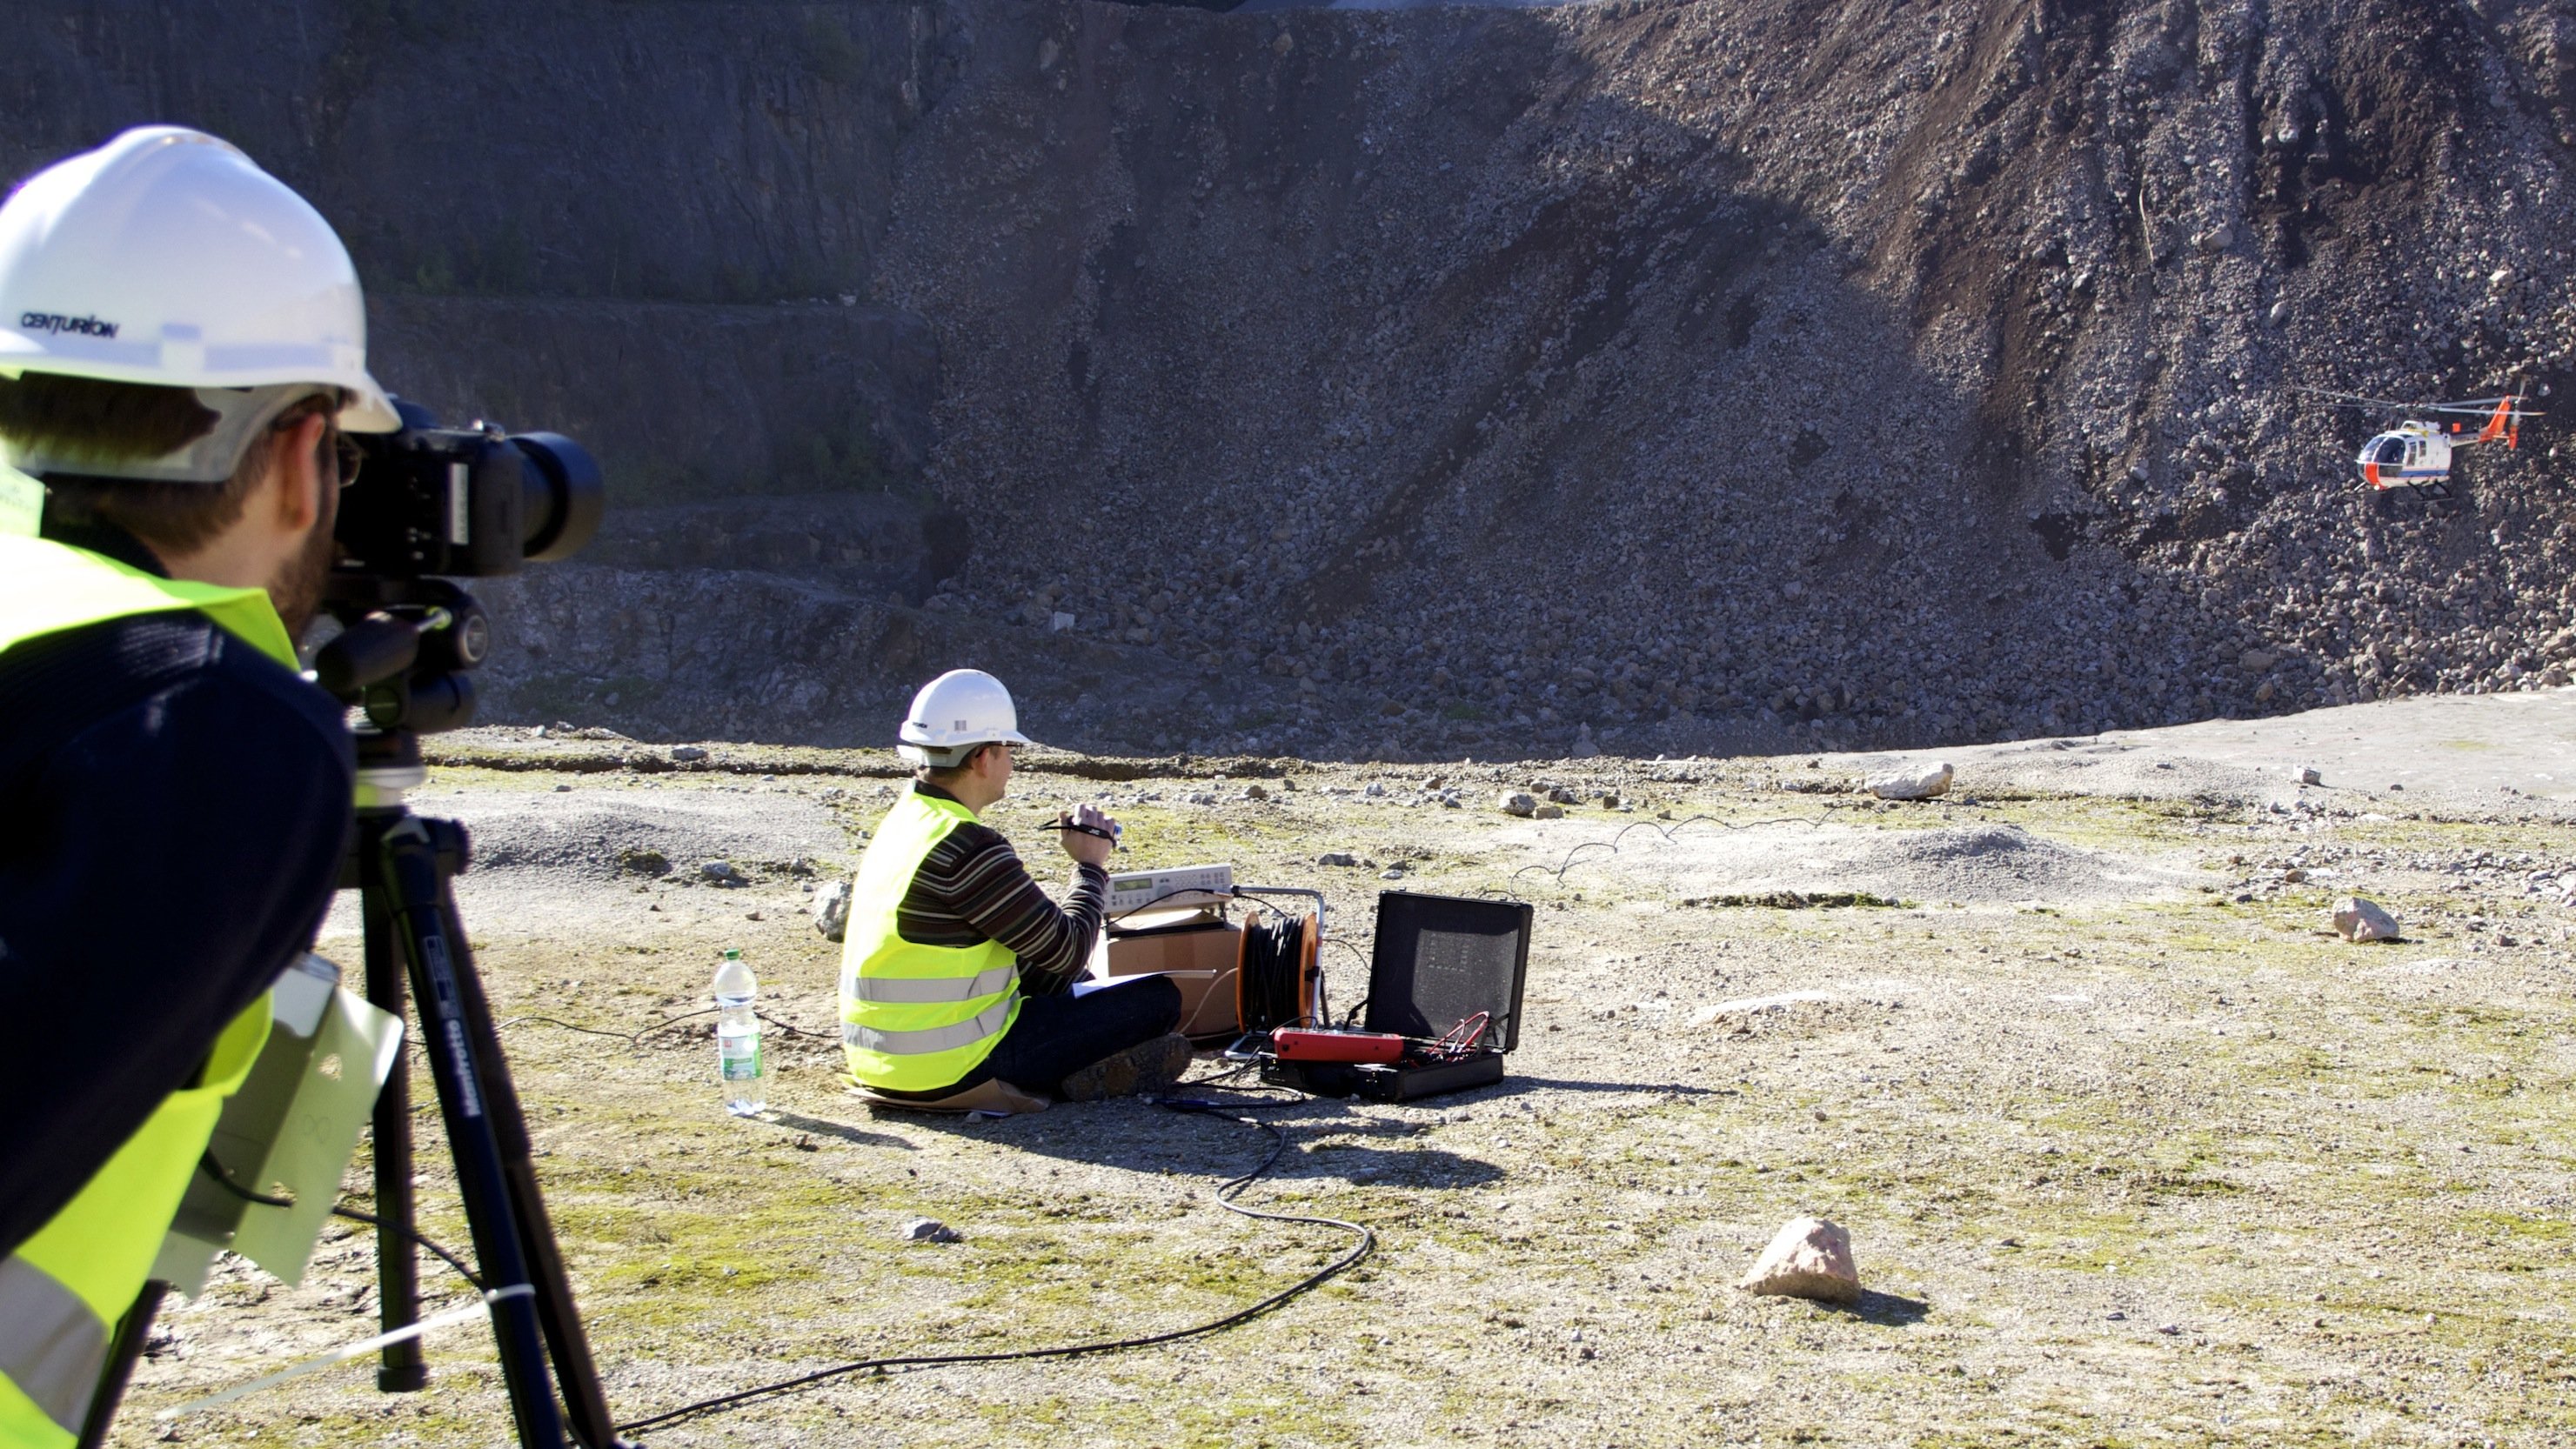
column 916, row 1018
column 65, row 1288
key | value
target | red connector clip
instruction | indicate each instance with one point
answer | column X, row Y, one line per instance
column 1303, row 1044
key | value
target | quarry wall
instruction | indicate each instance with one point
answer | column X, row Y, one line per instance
column 1645, row 377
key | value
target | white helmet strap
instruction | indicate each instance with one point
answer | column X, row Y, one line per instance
column 242, row 414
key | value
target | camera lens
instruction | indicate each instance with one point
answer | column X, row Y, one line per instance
column 562, row 496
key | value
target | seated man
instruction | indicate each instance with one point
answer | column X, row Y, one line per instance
column 957, row 969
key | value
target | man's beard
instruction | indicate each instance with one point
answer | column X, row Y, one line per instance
column 296, row 591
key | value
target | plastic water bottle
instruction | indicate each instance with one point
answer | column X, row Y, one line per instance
column 739, row 1069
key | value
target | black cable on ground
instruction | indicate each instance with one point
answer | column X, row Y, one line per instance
column 1666, row 831
column 636, row 1038
column 212, row 1168
column 343, row 1210
column 1225, row 1195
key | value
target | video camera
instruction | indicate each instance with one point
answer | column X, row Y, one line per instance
column 431, row 505
column 472, row 502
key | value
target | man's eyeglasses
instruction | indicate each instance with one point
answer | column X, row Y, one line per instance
column 345, row 454
column 349, row 455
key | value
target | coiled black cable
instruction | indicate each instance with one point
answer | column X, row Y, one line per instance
column 1271, row 990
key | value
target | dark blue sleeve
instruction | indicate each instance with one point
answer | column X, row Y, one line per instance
column 157, row 870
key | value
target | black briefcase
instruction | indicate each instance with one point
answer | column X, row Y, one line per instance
column 1437, row 964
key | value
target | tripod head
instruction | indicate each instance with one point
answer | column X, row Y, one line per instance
column 402, row 658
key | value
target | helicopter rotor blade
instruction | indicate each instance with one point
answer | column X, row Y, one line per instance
column 2479, row 407
column 2356, row 400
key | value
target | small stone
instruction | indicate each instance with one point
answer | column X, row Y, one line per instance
column 688, row 754
column 1203, row 797
column 1376, row 790
column 2280, row 313
column 2255, row 661
column 1808, row 1258
column 1255, row 792
column 1059, row 622
column 929, row 1230
column 1548, row 812
column 1917, row 784
column 1392, row 872
column 2293, row 876
column 2357, row 919
column 2308, row 775
column 563, row 789
column 1518, row 802
column 1337, row 857
column 1564, row 795
column 719, row 871
column 832, row 909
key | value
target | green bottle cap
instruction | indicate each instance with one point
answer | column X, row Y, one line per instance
column 732, row 953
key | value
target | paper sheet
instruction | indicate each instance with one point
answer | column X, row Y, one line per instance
column 1085, row 988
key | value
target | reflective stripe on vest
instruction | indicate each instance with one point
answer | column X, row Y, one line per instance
column 916, row 1018
column 930, row 1039
column 72, row 1280
column 919, row 990
column 52, row 1345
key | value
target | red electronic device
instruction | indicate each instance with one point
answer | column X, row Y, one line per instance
column 1303, row 1044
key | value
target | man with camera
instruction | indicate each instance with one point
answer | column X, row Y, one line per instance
column 956, row 970
column 182, row 345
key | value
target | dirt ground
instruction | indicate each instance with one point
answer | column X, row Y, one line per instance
column 2132, row 1149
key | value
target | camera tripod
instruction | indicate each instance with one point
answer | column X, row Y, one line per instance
column 403, row 866
column 401, row 659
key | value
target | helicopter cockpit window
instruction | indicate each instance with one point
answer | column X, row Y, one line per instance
column 2391, row 453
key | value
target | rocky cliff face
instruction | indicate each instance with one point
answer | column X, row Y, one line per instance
column 1675, row 376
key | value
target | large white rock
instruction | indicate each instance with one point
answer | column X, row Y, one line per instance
column 1918, row 784
column 832, row 909
column 2359, row 919
column 1809, row 1258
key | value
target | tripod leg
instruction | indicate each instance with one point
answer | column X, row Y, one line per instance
column 576, row 1373
column 402, row 1370
column 131, row 1330
column 433, row 950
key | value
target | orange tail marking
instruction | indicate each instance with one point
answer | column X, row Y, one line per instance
column 2499, row 426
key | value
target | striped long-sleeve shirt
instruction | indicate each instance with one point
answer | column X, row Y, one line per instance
column 973, row 888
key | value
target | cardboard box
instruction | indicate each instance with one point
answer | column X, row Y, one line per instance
column 1201, row 960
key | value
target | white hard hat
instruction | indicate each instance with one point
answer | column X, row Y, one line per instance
column 954, row 713
column 167, row 257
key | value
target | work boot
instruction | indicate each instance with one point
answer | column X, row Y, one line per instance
column 1157, row 1063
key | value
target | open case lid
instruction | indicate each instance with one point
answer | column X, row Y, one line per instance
column 1440, row 959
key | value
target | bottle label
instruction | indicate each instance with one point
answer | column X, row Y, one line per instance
column 738, row 1058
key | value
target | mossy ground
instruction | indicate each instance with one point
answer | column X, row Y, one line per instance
column 2172, row 1170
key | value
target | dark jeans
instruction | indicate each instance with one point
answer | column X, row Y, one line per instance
column 1057, row 1036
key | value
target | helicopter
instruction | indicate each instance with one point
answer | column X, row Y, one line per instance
column 2417, row 454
